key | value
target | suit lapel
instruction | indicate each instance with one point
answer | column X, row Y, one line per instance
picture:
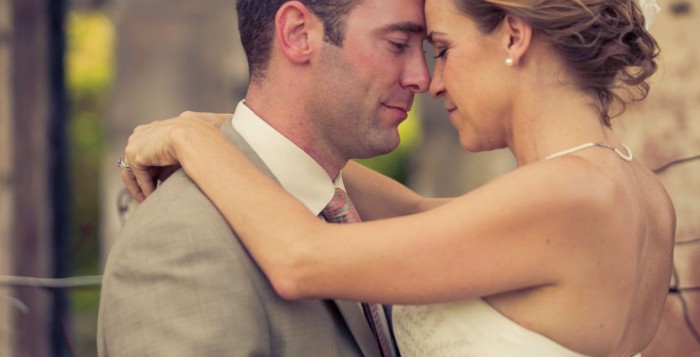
column 351, row 311
column 355, row 319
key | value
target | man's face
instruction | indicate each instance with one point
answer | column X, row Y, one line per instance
column 364, row 90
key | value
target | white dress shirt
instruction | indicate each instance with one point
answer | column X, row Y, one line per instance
column 298, row 173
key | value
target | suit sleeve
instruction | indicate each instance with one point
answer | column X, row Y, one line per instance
column 178, row 283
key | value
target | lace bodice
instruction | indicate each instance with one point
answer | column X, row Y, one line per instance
column 469, row 328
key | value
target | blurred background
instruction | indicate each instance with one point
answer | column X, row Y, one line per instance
column 77, row 76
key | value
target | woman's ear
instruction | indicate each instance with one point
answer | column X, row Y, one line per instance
column 297, row 30
column 518, row 38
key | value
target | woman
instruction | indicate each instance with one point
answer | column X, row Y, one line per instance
column 568, row 255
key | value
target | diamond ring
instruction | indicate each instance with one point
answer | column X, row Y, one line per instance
column 123, row 165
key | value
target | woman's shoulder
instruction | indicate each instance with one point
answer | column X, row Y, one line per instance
column 569, row 203
column 582, row 207
column 566, row 182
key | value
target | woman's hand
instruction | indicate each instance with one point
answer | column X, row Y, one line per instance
column 150, row 152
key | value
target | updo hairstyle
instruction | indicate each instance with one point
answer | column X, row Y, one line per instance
column 603, row 43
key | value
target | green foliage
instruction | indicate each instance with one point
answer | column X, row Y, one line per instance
column 90, row 55
column 89, row 74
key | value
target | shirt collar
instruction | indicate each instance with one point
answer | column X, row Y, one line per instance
column 298, row 173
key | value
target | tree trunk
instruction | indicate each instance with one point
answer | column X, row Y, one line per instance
column 7, row 196
column 26, row 204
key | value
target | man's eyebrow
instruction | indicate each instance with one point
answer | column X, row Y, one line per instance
column 409, row 27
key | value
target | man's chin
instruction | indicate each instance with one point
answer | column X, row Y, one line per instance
column 384, row 146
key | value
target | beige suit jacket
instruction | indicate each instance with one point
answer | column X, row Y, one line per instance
column 179, row 283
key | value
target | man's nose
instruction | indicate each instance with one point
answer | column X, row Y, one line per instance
column 416, row 76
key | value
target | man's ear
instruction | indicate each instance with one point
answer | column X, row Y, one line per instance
column 518, row 38
column 298, row 31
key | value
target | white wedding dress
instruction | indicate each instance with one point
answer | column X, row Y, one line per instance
column 469, row 328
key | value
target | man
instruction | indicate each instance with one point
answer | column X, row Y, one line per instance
column 330, row 81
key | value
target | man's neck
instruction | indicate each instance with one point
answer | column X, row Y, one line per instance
column 287, row 116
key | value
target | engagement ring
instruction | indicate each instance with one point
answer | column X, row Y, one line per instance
column 123, row 165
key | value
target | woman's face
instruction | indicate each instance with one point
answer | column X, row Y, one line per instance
column 469, row 74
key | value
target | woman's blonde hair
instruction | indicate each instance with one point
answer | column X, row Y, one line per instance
column 603, row 43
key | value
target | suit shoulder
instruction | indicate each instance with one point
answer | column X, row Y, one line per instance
column 177, row 200
column 176, row 214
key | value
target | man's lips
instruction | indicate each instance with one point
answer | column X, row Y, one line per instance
column 404, row 109
column 399, row 110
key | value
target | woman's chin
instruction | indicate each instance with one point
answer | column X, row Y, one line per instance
column 474, row 145
column 470, row 145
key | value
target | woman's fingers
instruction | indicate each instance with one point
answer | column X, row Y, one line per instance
column 163, row 173
column 144, row 180
column 146, row 152
column 142, row 183
column 132, row 185
column 149, row 153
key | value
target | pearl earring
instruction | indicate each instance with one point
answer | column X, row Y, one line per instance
column 509, row 62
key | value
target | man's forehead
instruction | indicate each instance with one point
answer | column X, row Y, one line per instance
column 407, row 26
column 390, row 16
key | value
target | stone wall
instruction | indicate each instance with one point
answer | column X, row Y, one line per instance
column 663, row 128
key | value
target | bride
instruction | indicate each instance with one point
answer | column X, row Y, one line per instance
column 568, row 255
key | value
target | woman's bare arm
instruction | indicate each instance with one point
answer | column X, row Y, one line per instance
column 377, row 196
column 520, row 231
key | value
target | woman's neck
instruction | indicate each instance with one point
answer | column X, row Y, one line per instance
column 555, row 120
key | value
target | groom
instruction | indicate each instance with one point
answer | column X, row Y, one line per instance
column 330, row 81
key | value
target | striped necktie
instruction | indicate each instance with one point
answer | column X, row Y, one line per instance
column 341, row 210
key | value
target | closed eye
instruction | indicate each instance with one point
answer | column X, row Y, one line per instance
column 442, row 53
column 400, row 47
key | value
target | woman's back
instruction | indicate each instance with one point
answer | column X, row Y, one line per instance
column 655, row 259
column 612, row 297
